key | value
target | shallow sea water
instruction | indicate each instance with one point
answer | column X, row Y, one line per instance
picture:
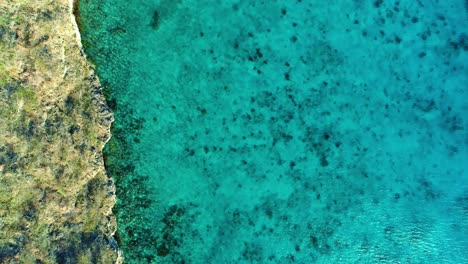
column 286, row 131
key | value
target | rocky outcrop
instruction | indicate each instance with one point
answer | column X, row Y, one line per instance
column 55, row 197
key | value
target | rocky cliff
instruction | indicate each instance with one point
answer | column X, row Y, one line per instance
column 55, row 197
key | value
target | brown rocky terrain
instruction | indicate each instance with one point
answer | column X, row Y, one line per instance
column 55, row 197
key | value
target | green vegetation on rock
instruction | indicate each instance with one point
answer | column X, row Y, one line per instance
column 55, row 197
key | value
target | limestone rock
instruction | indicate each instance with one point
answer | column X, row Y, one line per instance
column 55, row 197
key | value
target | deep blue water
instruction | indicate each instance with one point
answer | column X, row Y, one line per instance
column 286, row 131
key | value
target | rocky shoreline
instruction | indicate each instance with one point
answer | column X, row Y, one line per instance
column 55, row 197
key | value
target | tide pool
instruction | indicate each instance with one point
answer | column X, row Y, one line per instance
column 286, row 131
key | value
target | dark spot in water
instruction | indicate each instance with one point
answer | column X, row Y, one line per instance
column 398, row 39
column 314, row 241
column 112, row 103
column 168, row 239
column 378, row 3
column 155, row 20
column 461, row 43
column 252, row 252
column 323, row 161
column 202, row 110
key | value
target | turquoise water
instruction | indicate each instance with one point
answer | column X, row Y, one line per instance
column 286, row 131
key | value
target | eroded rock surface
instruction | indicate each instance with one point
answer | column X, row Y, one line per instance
column 55, row 197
